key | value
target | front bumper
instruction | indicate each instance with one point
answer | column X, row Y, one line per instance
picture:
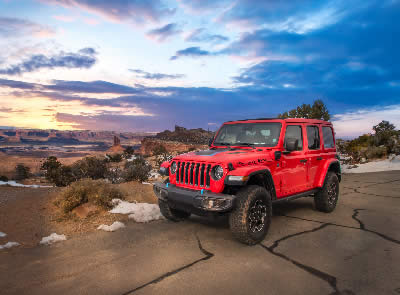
column 192, row 200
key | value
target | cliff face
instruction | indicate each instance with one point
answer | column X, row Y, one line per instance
column 173, row 147
column 190, row 136
column 178, row 141
column 67, row 137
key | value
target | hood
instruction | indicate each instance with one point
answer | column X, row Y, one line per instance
column 227, row 155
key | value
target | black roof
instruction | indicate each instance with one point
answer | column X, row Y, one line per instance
column 257, row 119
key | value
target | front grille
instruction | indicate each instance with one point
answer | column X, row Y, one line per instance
column 193, row 174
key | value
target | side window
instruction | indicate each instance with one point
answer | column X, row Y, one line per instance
column 294, row 131
column 313, row 137
column 328, row 137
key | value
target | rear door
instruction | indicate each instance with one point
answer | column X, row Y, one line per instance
column 294, row 164
column 314, row 154
column 328, row 140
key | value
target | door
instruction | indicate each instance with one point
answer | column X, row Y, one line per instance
column 294, row 164
column 314, row 154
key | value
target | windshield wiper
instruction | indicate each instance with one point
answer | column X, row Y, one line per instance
column 246, row 144
column 222, row 143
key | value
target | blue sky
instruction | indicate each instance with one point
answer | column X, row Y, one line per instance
column 148, row 65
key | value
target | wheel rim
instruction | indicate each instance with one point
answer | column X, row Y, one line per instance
column 256, row 217
column 332, row 193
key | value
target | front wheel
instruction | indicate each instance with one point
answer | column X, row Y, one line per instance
column 172, row 214
column 326, row 199
column 250, row 220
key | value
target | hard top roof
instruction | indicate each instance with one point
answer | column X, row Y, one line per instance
column 288, row 120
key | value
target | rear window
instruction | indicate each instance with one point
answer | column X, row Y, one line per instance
column 328, row 137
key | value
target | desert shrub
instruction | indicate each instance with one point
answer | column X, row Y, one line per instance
column 159, row 149
column 138, row 169
column 114, row 158
column 89, row 167
column 57, row 173
column 162, row 158
column 3, row 178
column 22, row 172
column 129, row 151
column 375, row 152
column 115, row 175
column 97, row 192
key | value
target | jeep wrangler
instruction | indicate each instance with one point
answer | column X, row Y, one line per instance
column 250, row 165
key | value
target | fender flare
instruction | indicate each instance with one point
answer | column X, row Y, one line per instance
column 251, row 172
column 269, row 179
column 333, row 165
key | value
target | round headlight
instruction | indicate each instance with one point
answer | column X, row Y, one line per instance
column 173, row 167
column 217, row 172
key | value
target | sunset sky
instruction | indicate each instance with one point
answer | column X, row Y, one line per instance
column 132, row 65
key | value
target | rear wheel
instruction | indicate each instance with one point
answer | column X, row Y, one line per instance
column 251, row 218
column 326, row 199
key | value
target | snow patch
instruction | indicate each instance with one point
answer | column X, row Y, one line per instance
column 113, row 227
column 2, row 235
column 154, row 175
column 52, row 239
column 9, row 245
column 393, row 163
column 132, row 158
column 148, row 183
column 13, row 183
column 140, row 212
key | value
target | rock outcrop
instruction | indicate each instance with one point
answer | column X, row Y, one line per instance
column 116, row 148
column 189, row 136
column 172, row 147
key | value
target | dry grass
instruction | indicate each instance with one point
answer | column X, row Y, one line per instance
column 137, row 192
column 97, row 192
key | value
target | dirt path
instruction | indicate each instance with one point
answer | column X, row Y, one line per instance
column 28, row 214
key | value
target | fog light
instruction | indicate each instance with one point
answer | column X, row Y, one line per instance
column 216, row 203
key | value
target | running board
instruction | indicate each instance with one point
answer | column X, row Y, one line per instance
column 296, row 196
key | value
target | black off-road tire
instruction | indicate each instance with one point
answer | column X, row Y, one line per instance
column 172, row 214
column 169, row 213
column 248, row 200
column 326, row 199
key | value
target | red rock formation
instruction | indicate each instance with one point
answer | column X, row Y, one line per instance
column 116, row 148
column 173, row 147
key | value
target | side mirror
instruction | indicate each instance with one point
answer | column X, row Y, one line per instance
column 291, row 144
column 210, row 141
column 278, row 155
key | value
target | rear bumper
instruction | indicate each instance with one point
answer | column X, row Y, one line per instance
column 192, row 200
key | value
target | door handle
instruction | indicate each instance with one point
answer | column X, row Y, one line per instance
column 319, row 158
column 303, row 161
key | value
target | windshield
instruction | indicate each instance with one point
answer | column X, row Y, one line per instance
column 260, row 134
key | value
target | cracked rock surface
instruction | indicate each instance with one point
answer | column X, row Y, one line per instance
column 354, row 250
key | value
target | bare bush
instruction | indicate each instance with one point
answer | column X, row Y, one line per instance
column 97, row 192
column 22, row 172
column 89, row 167
column 138, row 169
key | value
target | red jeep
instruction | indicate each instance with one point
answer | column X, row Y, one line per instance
column 250, row 165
